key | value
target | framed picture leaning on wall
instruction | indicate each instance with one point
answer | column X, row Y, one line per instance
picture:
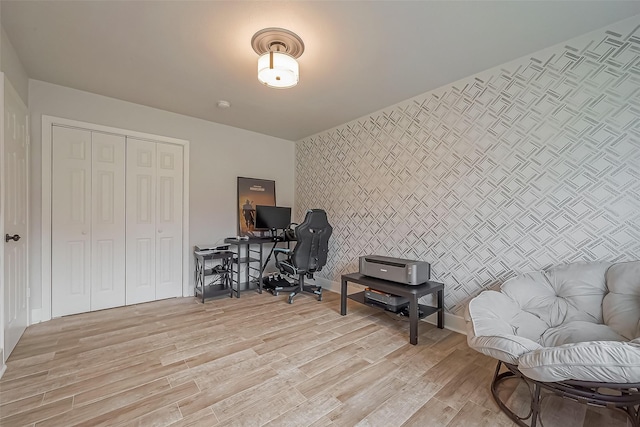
column 252, row 192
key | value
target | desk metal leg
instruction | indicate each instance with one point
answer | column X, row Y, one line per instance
column 260, row 273
column 196, row 278
column 413, row 320
column 246, row 267
column 236, row 292
column 199, row 277
column 229, row 276
column 441, row 309
column 239, row 268
column 343, row 298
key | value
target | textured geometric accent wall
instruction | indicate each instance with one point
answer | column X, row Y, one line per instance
column 520, row 168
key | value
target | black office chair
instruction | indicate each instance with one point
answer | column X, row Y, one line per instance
column 308, row 256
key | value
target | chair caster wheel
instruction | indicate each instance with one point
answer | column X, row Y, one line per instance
column 319, row 297
column 276, row 293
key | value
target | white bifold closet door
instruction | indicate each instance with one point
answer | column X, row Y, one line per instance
column 153, row 220
column 88, row 221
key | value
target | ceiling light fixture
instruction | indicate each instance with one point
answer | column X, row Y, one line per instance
column 278, row 49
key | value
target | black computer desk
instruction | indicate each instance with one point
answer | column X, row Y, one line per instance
column 250, row 253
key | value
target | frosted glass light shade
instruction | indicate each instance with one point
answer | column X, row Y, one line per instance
column 278, row 70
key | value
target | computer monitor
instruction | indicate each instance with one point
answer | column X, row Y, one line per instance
column 272, row 217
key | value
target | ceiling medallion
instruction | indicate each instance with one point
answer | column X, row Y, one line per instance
column 278, row 49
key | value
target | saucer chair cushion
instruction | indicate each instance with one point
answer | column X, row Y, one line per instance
column 577, row 321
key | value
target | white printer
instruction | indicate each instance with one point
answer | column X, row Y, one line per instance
column 406, row 271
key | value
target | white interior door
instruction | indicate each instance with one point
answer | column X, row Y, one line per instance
column 15, row 205
column 141, row 221
column 169, row 221
column 71, row 222
column 107, row 221
column 154, row 220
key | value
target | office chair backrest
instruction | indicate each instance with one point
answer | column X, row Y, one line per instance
column 310, row 253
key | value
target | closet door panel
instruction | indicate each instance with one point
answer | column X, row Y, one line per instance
column 169, row 221
column 140, row 221
column 71, row 221
column 108, row 221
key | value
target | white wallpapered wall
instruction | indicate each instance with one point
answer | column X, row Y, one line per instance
column 519, row 168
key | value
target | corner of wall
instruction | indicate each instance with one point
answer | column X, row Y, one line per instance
column 13, row 68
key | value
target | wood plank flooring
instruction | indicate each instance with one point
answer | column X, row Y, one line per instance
column 256, row 361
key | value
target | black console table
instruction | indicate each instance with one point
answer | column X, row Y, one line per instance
column 221, row 274
column 413, row 293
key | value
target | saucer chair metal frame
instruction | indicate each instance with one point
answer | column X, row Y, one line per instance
column 625, row 397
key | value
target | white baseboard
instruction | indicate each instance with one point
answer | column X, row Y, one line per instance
column 451, row 321
column 36, row 316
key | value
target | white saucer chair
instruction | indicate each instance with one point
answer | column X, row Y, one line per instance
column 573, row 330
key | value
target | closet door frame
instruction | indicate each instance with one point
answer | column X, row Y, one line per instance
column 47, row 142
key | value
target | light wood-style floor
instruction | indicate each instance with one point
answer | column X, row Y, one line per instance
column 255, row 361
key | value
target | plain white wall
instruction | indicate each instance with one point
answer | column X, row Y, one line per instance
column 218, row 155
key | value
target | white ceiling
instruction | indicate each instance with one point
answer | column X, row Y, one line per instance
column 184, row 56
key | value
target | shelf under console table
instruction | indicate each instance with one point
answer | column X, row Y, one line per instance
column 413, row 293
